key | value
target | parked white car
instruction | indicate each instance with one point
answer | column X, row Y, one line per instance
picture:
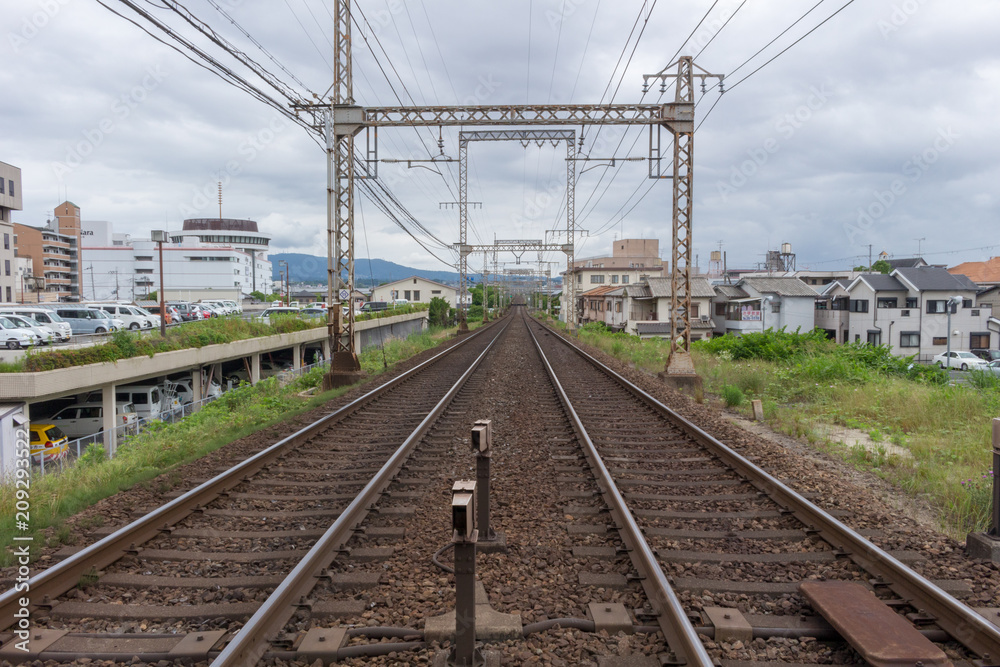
column 43, row 316
column 959, row 360
column 42, row 334
column 83, row 419
column 13, row 337
column 266, row 316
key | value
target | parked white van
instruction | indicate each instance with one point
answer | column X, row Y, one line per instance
column 43, row 316
column 147, row 398
column 129, row 315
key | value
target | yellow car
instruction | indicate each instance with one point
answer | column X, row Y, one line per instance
column 48, row 443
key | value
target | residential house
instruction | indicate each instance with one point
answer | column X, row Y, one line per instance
column 414, row 289
column 605, row 304
column 908, row 309
column 629, row 262
column 760, row 303
column 649, row 310
column 983, row 274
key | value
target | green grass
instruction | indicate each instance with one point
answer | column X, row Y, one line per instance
column 163, row 447
column 805, row 381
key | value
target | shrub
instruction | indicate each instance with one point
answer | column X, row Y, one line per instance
column 732, row 396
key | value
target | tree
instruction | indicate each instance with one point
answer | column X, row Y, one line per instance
column 153, row 296
column 257, row 295
column 881, row 266
column 437, row 314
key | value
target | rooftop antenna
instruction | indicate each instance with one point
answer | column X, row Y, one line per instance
column 220, row 200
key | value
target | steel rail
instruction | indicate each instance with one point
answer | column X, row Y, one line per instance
column 63, row 576
column 670, row 615
column 249, row 644
column 964, row 624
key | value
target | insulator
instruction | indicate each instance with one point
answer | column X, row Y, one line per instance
column 645, row 87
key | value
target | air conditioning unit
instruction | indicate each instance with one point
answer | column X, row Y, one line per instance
column 705, row 318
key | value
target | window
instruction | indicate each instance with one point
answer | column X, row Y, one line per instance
column 720, row 309
column 776, row 306
column 909, row 339
column 8, row 296
column 579, row 277
column 6, row 267
column 937, row 306
column 6, row 241
column 624, row 279
column 618, row 305
column 11, row 189
column 874, row 337
column 904, row 313
column 416, row 295
column 859, row 305
column 975, row 313
column 614, row 278
column 406, row 294
column 939, row 340
column 966, row 303
column 1, row 186
column 435, row 291
column 979, row 340
column 144, row 258
column 596, row 280
column 912, row 302
column 886, row 302
column 821, row 305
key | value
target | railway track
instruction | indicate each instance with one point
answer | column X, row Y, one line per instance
column 253, row 537
column 610, row 502
column 698, row 517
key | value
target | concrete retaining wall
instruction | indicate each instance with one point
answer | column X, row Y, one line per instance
column 44, row 385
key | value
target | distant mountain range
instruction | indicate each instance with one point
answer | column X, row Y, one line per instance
column 367, row 272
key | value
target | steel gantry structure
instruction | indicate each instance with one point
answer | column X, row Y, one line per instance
column 523, row 136
column 341, row 119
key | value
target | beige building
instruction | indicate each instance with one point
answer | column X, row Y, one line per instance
column 630, row 261
column 415, row 290
column 10, row 200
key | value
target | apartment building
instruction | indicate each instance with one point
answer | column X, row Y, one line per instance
column 54, row 250
column 10, row 200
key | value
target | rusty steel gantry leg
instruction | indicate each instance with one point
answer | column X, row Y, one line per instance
column 343, row 121
column 679, row 367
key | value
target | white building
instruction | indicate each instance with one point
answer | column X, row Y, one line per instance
column 908, row 309
column 758, row 304
column 207, row 258
column 414, row 289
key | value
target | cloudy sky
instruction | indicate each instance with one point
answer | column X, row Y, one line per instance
column 876, row 129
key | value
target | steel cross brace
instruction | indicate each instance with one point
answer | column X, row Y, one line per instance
column 523, row 136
